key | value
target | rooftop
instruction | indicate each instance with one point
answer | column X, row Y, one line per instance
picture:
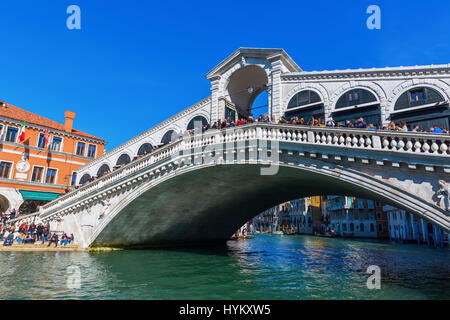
column 9, row 111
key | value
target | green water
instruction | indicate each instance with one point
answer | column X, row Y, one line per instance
column 267, row 267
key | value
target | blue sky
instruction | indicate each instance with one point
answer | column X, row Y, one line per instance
column 135, row 63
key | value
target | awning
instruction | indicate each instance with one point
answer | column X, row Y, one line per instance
column 34, row 195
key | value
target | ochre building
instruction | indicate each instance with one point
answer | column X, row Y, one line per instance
column 44, row 164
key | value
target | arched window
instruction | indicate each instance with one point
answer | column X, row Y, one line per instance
column 198, row 119
column 102, row 170
column 168, row 137
column 357, row 103
column 422, row 106
column 417, row 97
column 85, row 179
column 352, row 227
column 123, row 159
column 305, row 104
column 145, row 149
column 355, row 97
column 372, row 228
column 361, row 227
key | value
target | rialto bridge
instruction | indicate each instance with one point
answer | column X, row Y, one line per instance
column 203, row 187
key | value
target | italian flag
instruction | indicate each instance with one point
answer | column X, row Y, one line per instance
column 22, row 132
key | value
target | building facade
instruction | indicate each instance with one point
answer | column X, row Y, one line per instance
column 352, row 217
column 302, row 216
column 44, row 164
column 404, row 227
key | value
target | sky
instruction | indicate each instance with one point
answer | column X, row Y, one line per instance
column 135, row 63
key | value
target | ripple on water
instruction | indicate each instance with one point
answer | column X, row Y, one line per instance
column 267, row 267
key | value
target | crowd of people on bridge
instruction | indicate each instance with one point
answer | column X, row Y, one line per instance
column 361, row 124
column 330, row 122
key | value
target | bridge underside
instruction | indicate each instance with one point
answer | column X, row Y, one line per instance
column 208, row 205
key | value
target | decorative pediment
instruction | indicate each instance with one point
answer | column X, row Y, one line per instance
column 245, row 56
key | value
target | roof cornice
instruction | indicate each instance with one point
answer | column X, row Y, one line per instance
column 388, row 72
column 51, row 130
column 261, row 53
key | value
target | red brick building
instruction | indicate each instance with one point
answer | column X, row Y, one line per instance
column 42, row 166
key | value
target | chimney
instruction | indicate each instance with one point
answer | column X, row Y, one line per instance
column 68, row 125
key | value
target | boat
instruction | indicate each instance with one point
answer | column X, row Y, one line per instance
column 326, row 235
column 278, row 232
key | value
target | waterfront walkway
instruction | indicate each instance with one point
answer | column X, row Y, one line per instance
column 39, row 247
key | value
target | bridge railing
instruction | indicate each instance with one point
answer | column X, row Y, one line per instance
column 405, row 142
column 412, row 142
column 110, row 178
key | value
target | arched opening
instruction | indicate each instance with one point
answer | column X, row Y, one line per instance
column 231, row 207
column 243, row 89
column 146, row 148
column 168, row 137
column 31, row 206
column 4, row 203
column 85, row 179
column 197, row 122
column 422, row 106
column 305, row 105
column 123, row 159
column 103, row 170
column 358, row 103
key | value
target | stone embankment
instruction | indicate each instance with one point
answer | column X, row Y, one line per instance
column 38, row 247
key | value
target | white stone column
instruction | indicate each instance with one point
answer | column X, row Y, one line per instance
column 214, row 112
column 275, row 97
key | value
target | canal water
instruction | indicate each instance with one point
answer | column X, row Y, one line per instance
column 267, row 267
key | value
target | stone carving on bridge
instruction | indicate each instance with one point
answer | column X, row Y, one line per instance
column 444, row 194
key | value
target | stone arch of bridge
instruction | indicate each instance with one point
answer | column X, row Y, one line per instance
column 217, row 210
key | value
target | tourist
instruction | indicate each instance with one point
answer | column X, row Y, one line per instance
column 360, row 123
column 224, row 124
column 391, row 126
column 436, row 129
column 45, row 233
column 330, row 122
column 348, row 124
column 241, row 122
column 282, row 120
column 416, row 128
column 402, row 126
column 9, row 239
column 53, row 239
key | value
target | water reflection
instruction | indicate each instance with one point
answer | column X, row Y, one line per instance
column 267, row 267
